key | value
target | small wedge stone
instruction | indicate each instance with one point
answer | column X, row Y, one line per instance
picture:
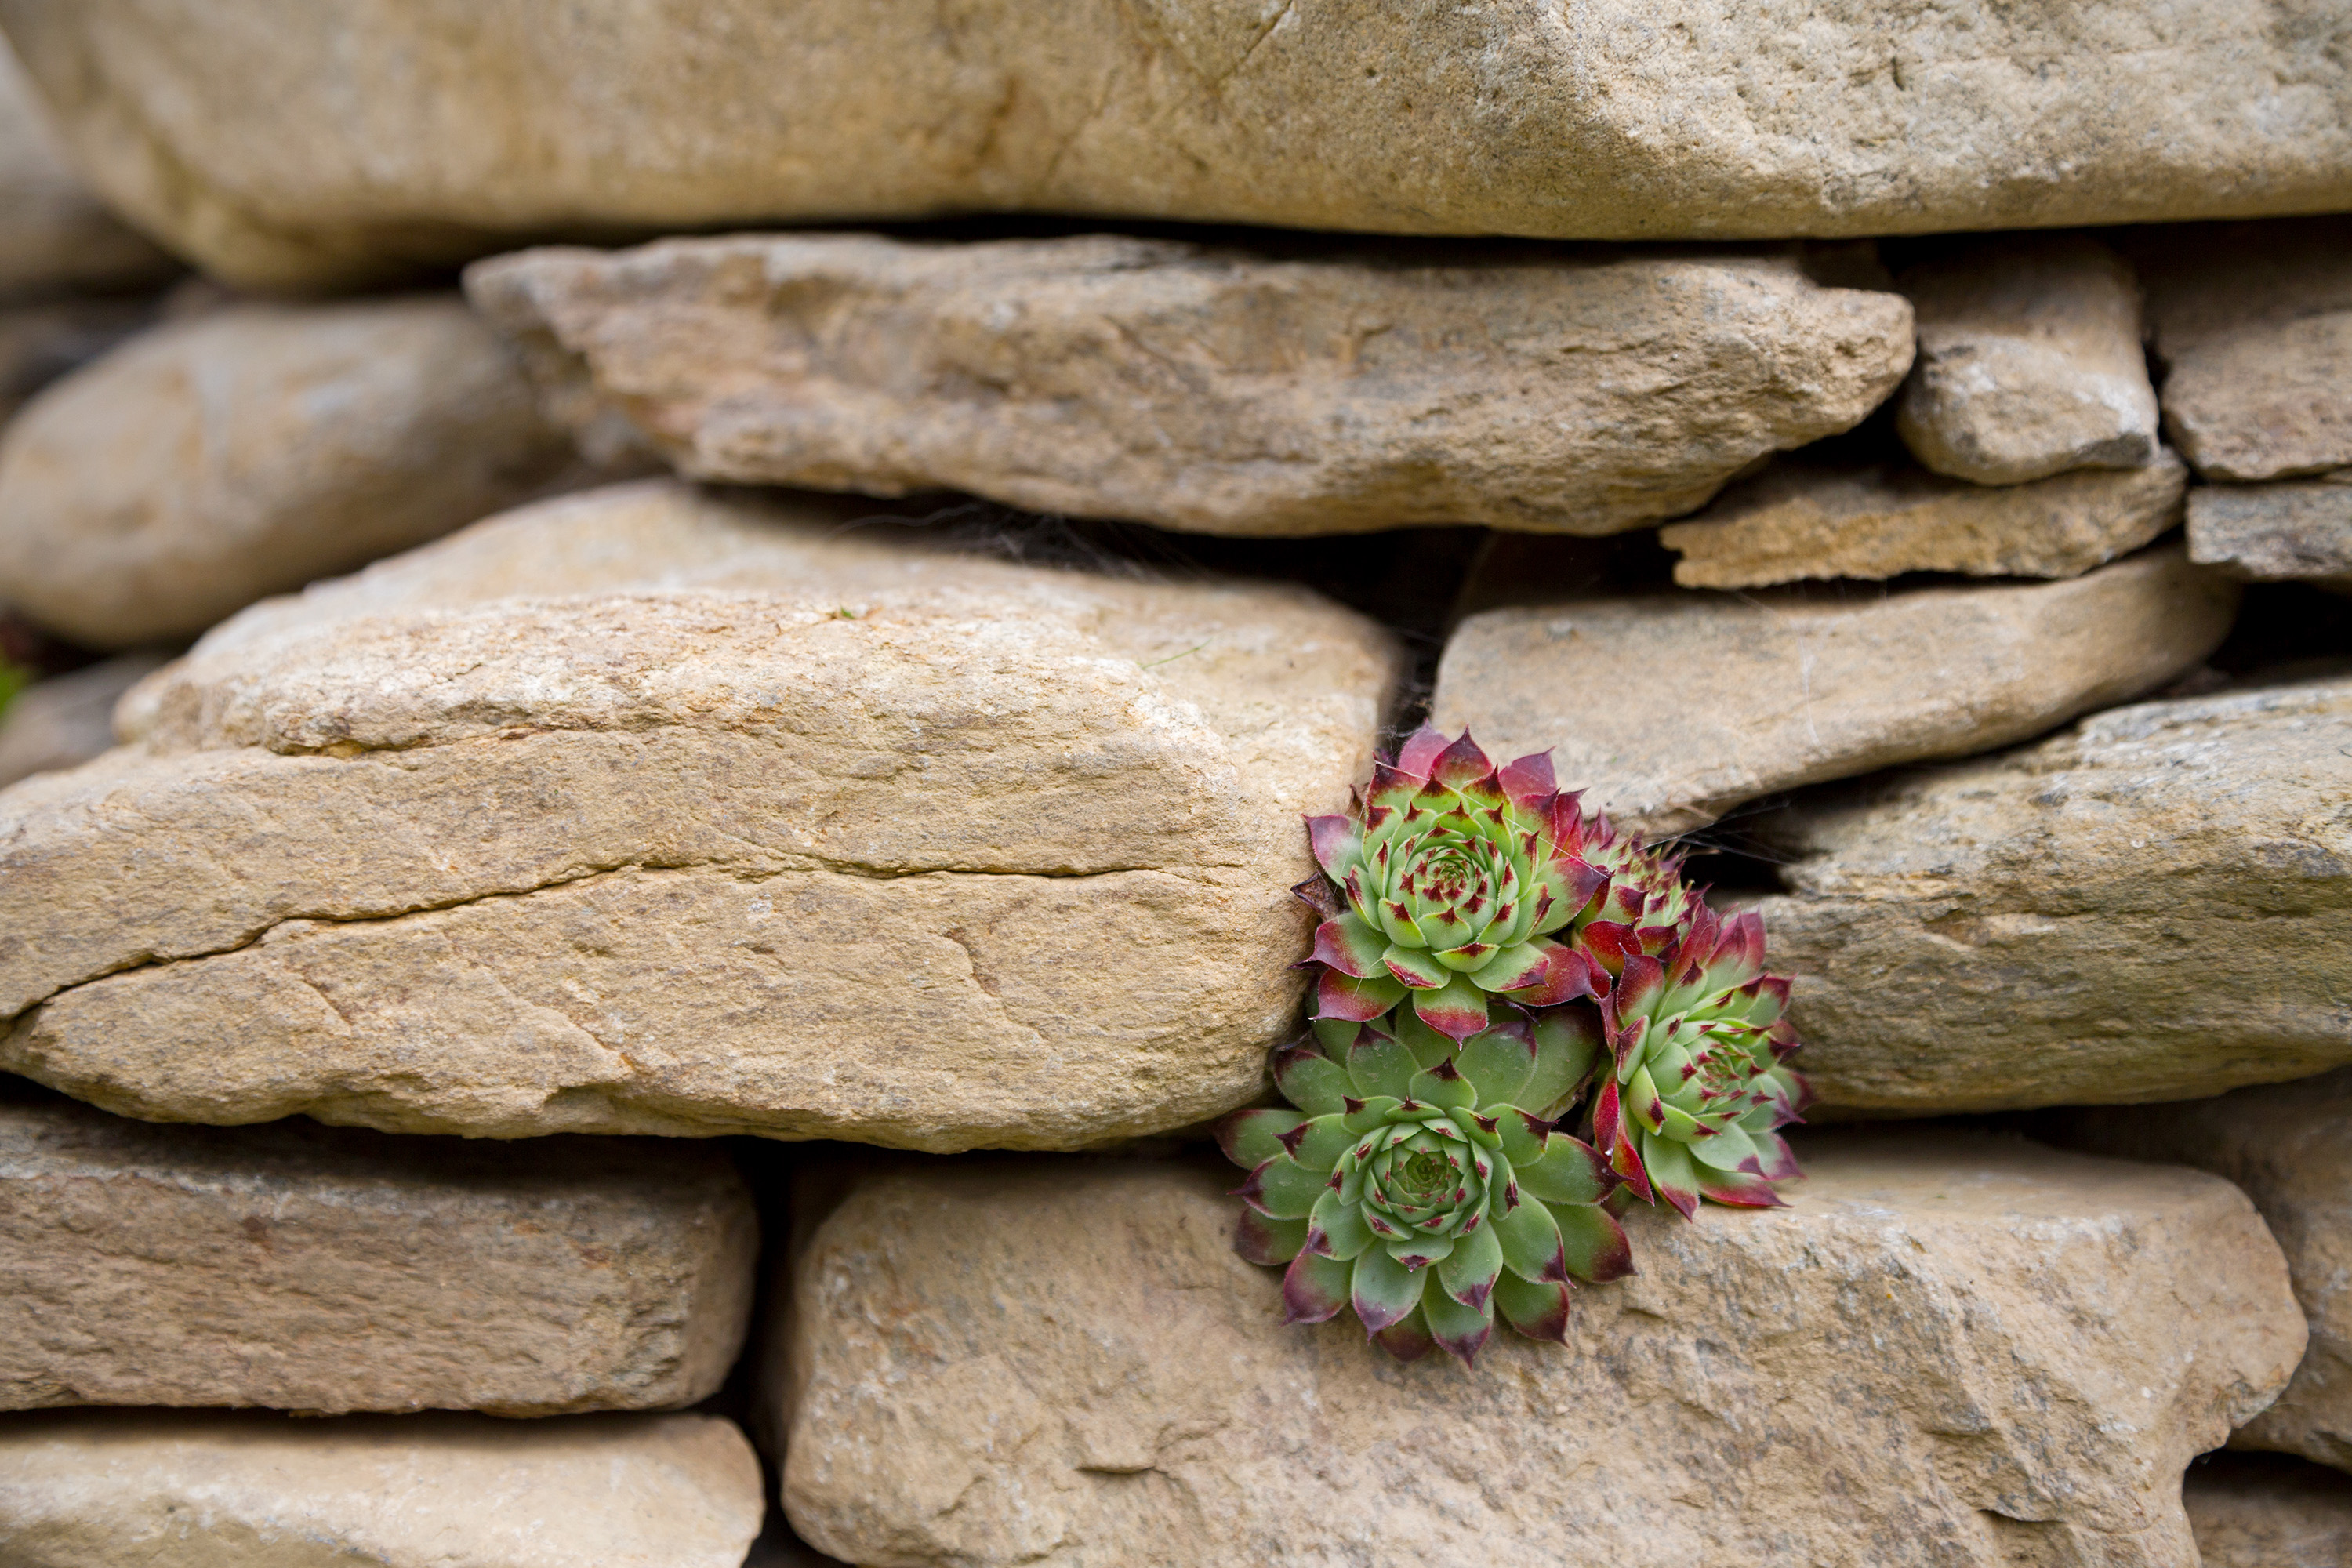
column 2276, row 533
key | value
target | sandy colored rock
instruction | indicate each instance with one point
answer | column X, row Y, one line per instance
column 1802, row 519
column 1801, row 685
column 2254, row 1513
column 206, row 463
column 2275, row 532
column 304, row 1269
column 100, row 1488
column 2030, row 361
column 2253, row 324
column 741, row 824
column 41, row 341
column 2289, row 1146
column 1213, row 390
column 2044, row 927
column 54, row 233
column 1624, row 119
column 1948, row 1349
column 67, row 720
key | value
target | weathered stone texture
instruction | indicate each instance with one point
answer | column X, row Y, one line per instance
column 2254, row 322
column 2030, row 361
column 102, row 1489
column 2275, row 532
column 2049, row 927
column 54, row 235
column 1623, row 119
column 743, row 825
column 308, row 1269
column 2251, row 1513
column 1801, row 520
column 209, row 462
column 67, row 720
column 1948, row 1349
column 2289, row 1146
column 1805, row 685
column 1218, row 390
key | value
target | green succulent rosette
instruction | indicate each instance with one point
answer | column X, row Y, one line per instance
column 1425, row 1184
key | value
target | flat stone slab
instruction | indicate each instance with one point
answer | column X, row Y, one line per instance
column 213, row 1489
column 304, row 1269
column 1807, row 686
column 1955, row 1349
column 2289, row 1147
column 2278, row 532
column 735, row 823
column 2035, row 928
column 2030, row 361
column 1806, row 519
column 207, row 462
column 1216, row 391
column 1614, row 120
column 54, row 233
column 2255, row 1514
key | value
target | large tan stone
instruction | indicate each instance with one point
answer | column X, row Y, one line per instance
column 2275, row 532
column 2154, row 903
column 308, row 1269
column 1802, row 519
column 2254, row 322
column 1770, row 691
column 1623, row 119
column 67, row 720
column 2030, row 361
column 99, row 1489
column 1950, row 1350
column 209, row 462
column 739, row 822
column 2251, row 1513
column 55, row 235
column 1218, row 390
column 2289, row 1146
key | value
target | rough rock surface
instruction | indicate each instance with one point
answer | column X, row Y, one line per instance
column 1218, row 390
column 2254, row 322
column 54, row 235
column 1621, row 119
column 67, row 720
column 2253, row 1513
column 1950, row 1350
column 209, row 462
column 1802, row 519
column 1827, row 684
column 2289, row 1146
column 740, row 824
column 102, row 1489
column 2275, row 532
column 308, row 1269
column 2043, row 927
column 2030, row 361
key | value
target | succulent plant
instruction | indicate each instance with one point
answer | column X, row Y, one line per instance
column 1422, row 1182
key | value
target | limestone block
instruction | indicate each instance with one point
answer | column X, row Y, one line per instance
column 2289, row 1146
column 731, row 821
column 2254, row 322
column 2030, row 361
column 2251, row 1513
column 211, row 1489
column 2043, row 927
column 1615, row 119
column 209, row 462
column 2275, row 532
column 67, row 720
column 54, row 233
column 306, row 1269
column 1216, row 391
column 1802, row 519
column 1775, row 690
column 1948, row 1349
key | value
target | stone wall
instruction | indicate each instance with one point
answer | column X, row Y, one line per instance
column 659, row 666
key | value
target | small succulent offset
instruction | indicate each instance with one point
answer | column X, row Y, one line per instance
column 1474, row 916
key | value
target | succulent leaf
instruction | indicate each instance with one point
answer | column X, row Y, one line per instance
column 1250, row 1138
column 1458, row 1327
column 1529, row 1238
column 1592, row 1243
column 1282, row 1188
column 1535, row 1308
column 1468, row 1273
column 1383, row 1290
column 1263, row 1240
column 1315, row 1288
column 1407, row 1341
column 1310, row 1080
column 1498, row 1062
column 1339, row 995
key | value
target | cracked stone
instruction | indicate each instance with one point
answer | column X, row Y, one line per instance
column 214, row 1489
column 1830, row 685
column 304, row 1269
column 2041, row 927
column 1950, row 1349
column 1220, row 391
column 642, row 811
